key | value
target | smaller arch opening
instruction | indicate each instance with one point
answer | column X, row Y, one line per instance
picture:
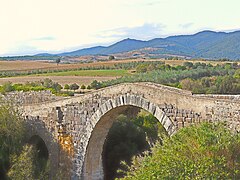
column 41, row 161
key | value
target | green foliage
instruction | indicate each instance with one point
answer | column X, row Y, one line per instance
column 28, row 87
column 83, row 86
column 66, row 86
column 208, row 151
column 46, row 84
column 111, row 57
column 23, row 167
column 141, row 68
column 74, row 86
column 7, row 87
column 96, row 85
column 27, row 165
column 58, row 60
column 12, row 132
column 188, row 65
column 237, row 74
column 214, row 85
column 129, row 137
column 195, row 77
column 88, row 87
column 16, row 160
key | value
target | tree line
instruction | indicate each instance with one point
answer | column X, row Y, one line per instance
column 197, row 77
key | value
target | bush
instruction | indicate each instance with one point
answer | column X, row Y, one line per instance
column 74, row 86
column 7, row 87
column 66, row 86
column 83, row 86
column 88, row 87
column 96, row 85
column 111, row 57
column 12, row 133
column 208, row 151
column 23, row 167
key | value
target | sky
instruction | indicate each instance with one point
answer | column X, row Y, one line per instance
column 38, row 26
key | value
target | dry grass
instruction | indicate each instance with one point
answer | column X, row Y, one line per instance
column 32, row 65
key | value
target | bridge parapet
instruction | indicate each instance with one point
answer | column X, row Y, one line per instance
column 31, row 97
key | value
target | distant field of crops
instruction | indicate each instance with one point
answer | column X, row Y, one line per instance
column 93, row 73
column 44, row 65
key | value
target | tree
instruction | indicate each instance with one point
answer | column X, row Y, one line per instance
column 83, row 86
column 57, row 87
column 58, row 60
column 7, row 87
column 48, row 83
column 29, row 165
column 111, row 57
column 12, row 133
column 66, row 86
column 142, row 68
column 23, row 167
column 226, row 85
column 95, row 84
column 188, row 64
column 74, row 86
column 209, row 151
column 237, row 74
column 88, row 87
column 129, row 137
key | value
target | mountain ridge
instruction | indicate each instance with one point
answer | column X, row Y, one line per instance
column 204, row 44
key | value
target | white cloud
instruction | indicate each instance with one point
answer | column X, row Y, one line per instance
column 145, row 32
column 58, row 25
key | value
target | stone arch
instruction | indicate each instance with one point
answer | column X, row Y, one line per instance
column 37, row 129
column 100, row 123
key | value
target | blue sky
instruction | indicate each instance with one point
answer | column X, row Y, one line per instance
column 34, row 26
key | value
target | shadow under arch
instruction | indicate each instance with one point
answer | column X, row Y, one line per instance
column 102, row 121
column 40, row 145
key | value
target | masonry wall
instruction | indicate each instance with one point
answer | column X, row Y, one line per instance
column 32, row 97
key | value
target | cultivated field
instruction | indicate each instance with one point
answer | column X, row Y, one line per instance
column 33, row 65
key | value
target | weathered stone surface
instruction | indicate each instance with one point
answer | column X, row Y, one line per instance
column 86, row 119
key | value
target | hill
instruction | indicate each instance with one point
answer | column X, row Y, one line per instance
column 205, row 44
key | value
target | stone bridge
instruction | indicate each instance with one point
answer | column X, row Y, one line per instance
column 74, row 129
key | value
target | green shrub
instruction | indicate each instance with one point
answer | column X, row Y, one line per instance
column 83, row 86
column 12, row 133
column 208, row 151
column 7, row 87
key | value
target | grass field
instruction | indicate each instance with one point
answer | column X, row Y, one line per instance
column 93, row 73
